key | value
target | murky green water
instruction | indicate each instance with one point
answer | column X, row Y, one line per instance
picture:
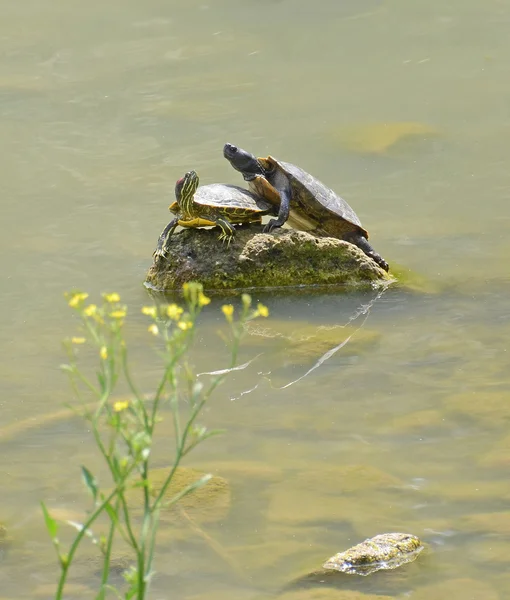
column 404, row 427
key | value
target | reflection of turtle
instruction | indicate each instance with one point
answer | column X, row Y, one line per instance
column 215, row 204
column 302, row 199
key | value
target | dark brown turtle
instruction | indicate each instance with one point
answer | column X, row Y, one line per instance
column 302, row 199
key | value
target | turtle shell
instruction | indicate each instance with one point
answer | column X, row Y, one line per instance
column 229, row 200
column 313, row 205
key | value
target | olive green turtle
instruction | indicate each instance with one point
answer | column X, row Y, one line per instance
column 302, row 199
column 208, row 205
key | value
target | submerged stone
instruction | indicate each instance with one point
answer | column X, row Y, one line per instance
column 494, row 523
column 284, row 258
column 384, row 551
column 328, row 594
column 487, row 406
column 303, row 342
column 457, row 589
column 377, row 138
column 207, row 503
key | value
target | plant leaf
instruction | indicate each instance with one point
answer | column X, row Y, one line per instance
column 90, row 482
column 51, row 525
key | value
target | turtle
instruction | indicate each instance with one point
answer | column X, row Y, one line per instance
column 302, row 199
column 209, row 205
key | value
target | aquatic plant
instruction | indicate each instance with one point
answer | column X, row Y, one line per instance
column 123, row 428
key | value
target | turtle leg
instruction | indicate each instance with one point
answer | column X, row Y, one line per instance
column 227, row 231
column 362, row 242
column 161, row 249
column 283, row 211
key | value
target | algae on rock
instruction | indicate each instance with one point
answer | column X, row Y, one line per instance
column 284, row 258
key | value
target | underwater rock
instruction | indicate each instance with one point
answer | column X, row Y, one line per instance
column 489, row 407
column 352, row 494
column 377, row 138
column 208, row 503
column 284, row 258
column 421, row 419
column 494, row 522
column 303, row 342
column 384, row 551
column 328, row 594
column 456, row 589
column 498, row 457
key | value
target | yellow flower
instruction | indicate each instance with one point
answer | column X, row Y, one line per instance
column 103, row 353
column 111, row 298
column 118, row 314
column 90, row 310
column 174, row 312
column 184, row 325
column 246, row 298
column 77, row 298
column 153, row 329
column 78, row 340
column 228, row 311
column 120, row 405
column 203, row 300
column 150, row 311
column 262, row 310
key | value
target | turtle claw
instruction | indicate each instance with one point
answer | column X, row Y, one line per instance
column 273, row 224
column 226, row 239
column 159, row 254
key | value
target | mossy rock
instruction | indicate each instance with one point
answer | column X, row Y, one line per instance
column 456, row 589
column 415, row 421
column 285, row 258
column 206, row 504
column 494, row 522
column 345, row 479
column 470, row 491
column 303, row 342
column 410, row 281
column 378, row 138
column 350, row 494
column 486, row 406
column 328, row 594
column 498, row 457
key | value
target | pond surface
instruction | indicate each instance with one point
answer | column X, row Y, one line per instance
column 402, row 107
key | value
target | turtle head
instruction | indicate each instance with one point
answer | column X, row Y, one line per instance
column 185, row 189
column 244, row 162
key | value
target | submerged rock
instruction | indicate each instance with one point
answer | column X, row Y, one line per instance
column 385, row 551
column 207, row 503
column 285, row 258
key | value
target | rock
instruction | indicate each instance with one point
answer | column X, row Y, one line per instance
column 377, row 138
column 486, row 406
column 347, row 569
column 498, row 457
column 457, row 589
column 304, row 342
column 384, row 551
column 494, row 523
column 285, row 258
column 421, row 419
column 205, row 504
column 329, row 594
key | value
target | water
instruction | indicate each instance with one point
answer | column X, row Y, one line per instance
column 102, row 107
